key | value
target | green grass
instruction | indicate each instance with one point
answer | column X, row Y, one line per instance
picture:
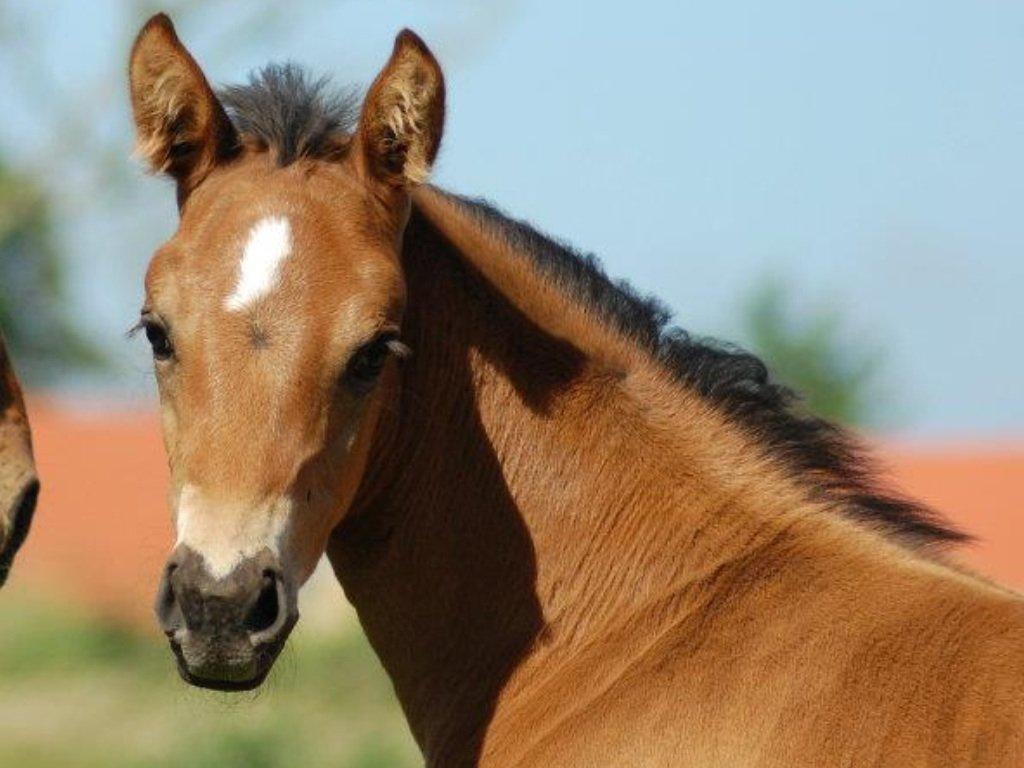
column 77, row 691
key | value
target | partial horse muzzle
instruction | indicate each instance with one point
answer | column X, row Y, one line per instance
column 227, row 631
column 15, row 523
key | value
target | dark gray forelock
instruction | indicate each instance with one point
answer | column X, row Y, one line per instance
column 294, row 114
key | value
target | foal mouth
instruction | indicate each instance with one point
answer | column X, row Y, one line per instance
column 21, row 520
column 223, row 685
column 227, row 679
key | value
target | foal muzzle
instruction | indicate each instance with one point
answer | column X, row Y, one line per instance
column 15, row 522
column 226, row 632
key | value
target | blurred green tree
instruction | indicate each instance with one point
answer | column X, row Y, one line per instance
column 837, row 378
column 34, row 311
column 47, row 342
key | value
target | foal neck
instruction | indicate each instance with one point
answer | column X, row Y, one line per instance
column 540, row 489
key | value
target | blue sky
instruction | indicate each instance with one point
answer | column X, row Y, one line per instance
column 869, row 154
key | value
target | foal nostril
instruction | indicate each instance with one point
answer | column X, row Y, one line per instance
column 26, row 509
column 21, row 521
column 168, row 610
column 266, row 617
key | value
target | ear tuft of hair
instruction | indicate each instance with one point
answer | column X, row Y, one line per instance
column 182, row 129
column 403, row 114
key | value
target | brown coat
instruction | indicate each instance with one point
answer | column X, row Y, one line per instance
column 587, row 565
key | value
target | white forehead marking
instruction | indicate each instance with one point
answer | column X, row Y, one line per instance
column 225, row 538
column 269, row 244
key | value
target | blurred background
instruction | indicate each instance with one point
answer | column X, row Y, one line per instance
column 833, row 185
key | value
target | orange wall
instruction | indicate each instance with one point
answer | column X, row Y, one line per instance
column 101, row 531
column 980, row 488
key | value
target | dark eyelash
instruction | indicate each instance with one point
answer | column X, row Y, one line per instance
column 146, row 317
column 398, row 348
column 134, row 331
column 150, row 324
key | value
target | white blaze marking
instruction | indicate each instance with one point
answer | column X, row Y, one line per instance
column 269, row 244
column 226, row 537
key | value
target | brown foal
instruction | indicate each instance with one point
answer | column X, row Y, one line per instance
column 19, row 487
column 573, row 536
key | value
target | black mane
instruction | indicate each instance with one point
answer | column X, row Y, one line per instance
column 293, row 114
column 736, row 382
column 297, row 116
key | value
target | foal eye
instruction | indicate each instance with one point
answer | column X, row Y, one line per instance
column 158, row 340
column 368, row 362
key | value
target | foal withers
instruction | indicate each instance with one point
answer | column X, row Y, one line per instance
column 19, row 487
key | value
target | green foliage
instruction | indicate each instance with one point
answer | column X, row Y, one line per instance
column 34, row 312
column 837, row 378
column 43, row 641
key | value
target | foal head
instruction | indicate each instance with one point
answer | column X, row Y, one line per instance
column 274, row 313
column 19, row 487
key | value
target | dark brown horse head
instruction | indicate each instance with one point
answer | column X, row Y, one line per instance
column 19, row 487
column 274, row 314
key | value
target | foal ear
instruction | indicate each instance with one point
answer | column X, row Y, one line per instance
column 403, row 115
column 182, row 128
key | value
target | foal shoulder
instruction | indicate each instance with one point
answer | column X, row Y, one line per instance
column 970, row 672
column 992, row 709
